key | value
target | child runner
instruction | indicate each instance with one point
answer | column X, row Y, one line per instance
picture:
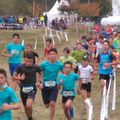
column 105, row 62
column 49, row 45
column 7, row 96
column 68, row 82
column 26, row 74
column 13, row 51
column 36, row 57
column 50, row 69
column 78, row 54
column 86, row 76
column 67, row 57
column 98, row 45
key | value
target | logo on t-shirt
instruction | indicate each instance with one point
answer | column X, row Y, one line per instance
column 15, row 52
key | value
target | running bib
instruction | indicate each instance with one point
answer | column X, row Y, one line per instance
column 50, row 84
column 67, row 93
column 27, row 89
column 85, row 81
column 15, row 52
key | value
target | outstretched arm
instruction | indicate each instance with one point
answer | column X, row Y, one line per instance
column 10, row 107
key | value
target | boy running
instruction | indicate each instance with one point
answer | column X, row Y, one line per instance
column 26, row 74
column 86, row 76
column 105, row 62
column 78, row 55
column 13, row 51
column 7, row 96
column 68, row 82
column 67, row 57
column 36, row 57
column 49, row 45
column 50, row 69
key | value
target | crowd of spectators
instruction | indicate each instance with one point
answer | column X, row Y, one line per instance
column 25, row 20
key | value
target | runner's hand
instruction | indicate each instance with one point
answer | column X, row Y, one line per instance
column 39, row 85
column 22, row 77
column 106, row 65
column 10, row 55
column 59, row 85
column 6, row 106
column 91, row 78
column 96, row 72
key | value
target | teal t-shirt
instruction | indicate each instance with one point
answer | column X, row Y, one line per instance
column 16, row 51
column 50, row 70
column 7, row 96
column 68, row 82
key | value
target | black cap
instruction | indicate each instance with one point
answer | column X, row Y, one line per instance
column 85, row 58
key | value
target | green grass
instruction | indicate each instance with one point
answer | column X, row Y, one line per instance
column 39, row 111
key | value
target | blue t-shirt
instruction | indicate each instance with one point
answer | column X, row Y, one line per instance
column 16, row 51
column 7, row 96
column 105, row 58
column 50, row 70
column 68, row 82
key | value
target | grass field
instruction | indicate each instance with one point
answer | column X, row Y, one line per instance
column 39, row 111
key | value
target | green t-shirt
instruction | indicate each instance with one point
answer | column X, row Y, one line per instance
column 78, row 55
column 63, row 59
column 116, row 45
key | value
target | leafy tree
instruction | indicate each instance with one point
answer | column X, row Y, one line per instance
column 105, row 7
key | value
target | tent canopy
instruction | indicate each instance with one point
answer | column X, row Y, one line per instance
column 55, row 12
column 54, row 9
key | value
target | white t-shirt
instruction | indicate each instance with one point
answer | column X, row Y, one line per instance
column 98, row 48
column 85, row 71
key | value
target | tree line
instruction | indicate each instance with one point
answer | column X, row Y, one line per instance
column 25, row 7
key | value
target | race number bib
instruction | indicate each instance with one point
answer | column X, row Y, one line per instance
column 27, row 89
column 15, row 52
column 67, row 93
column 50, row 84
column 85, row 80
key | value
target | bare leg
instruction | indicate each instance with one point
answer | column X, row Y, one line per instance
column 66, row 107
column 28, row 107
column 52, row 110
column 102, row 86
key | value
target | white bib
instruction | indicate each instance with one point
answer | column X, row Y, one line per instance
column 67, row 93
column 27, row 89
column 85, row 80
column 50, row 84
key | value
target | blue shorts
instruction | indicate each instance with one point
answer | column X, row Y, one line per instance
column 12, row 67
column 49, row 94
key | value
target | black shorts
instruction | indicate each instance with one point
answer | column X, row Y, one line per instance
column 104, row 77
column 49, row 94
column 64, row 99
column 25, row 95
column 86, row 86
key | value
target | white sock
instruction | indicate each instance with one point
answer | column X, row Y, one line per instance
column 87, row 101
